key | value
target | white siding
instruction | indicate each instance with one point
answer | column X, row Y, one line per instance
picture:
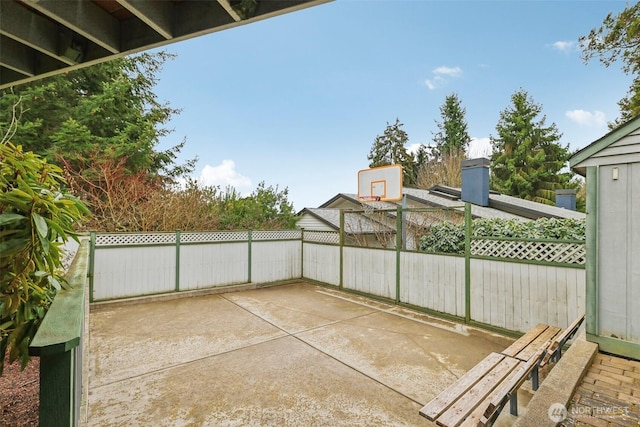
column 309, row 222
column 619, row 252
column 625, row 150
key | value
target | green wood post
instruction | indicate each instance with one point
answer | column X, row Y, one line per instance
column 591, row 262
column 341, row 240
column 57, row 372
column 399, row 243
column 302, row 253
column 177, row 260
column 92, row 260
column 58, row 343
column 249, row 241
column 467, row 262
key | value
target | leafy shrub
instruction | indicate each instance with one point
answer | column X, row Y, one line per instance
column 446, row 237
column 449, row 238
column 36, row 217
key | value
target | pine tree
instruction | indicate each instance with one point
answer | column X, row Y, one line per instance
column 108, row 109
column 389, row 149
column 526, row 156
column 453, row 135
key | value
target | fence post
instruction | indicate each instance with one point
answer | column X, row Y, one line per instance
column 92, row 261
column 399, row 245
column 249, row 241
column 302, row 253
column 467, row 262
column 177, row 260
column 341, row 241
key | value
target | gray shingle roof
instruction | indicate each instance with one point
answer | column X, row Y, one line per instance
column 353, row 223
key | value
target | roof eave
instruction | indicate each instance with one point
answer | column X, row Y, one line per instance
column 602, row 143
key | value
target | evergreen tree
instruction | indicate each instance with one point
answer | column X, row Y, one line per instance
column 108, row 108
column 389, row 149
column 618, row 38
column 526, row 156
column 453, row 135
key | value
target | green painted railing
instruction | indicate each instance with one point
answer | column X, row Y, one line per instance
column 58, row 343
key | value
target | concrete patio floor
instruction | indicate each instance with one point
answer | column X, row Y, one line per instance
column 289, row 355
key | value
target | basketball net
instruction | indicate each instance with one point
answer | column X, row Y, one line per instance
column 367, row 204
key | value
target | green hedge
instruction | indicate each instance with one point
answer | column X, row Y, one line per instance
column 449, row 238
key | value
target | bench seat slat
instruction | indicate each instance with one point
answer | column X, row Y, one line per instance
column 544, row 339
column 514, row 383
column 474, row 418
column 525, row 340
column 446, row 398
column 571, row 330
column 478, row 393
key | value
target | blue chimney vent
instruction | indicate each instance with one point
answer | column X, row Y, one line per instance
column 566, row 199
column 475, row 181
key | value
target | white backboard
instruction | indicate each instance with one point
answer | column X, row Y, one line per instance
column 383, row 184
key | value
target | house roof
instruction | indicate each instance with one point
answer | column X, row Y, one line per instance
column 575, row 162
column 331, row 217
column 500, row 205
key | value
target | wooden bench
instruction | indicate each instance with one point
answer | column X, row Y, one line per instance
column 477, row 398
column 540, row 335
column 479, row 395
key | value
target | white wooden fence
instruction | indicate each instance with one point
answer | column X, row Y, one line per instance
column 504, row 293
column 129, row 265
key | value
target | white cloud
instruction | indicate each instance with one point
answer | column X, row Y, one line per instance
column 587, row 118
column 448, row 71
column 437, row 80
column 413, row 148
column 433, row 83
column 563, row 46
column 224, row 175
column 479, row 147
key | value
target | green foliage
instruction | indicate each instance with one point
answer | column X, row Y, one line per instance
column 445, row 237
column 389, row 149
column 526, row 157
column 449, row 238
column 35, row 220
column 107, row 109
column 453, row 134
column 618, row 39
column 266, row 208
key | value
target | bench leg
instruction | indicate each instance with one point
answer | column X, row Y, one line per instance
column 534, row 379
column 513, row 403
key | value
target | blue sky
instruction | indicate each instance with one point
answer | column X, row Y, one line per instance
column 297, row 100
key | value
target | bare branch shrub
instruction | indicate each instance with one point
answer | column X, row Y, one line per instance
column 446, row 170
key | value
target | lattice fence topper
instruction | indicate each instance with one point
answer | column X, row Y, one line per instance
column 332, row 237
column 117, row 239
column 556, row 252
column 214, row 236
column 277, row 235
